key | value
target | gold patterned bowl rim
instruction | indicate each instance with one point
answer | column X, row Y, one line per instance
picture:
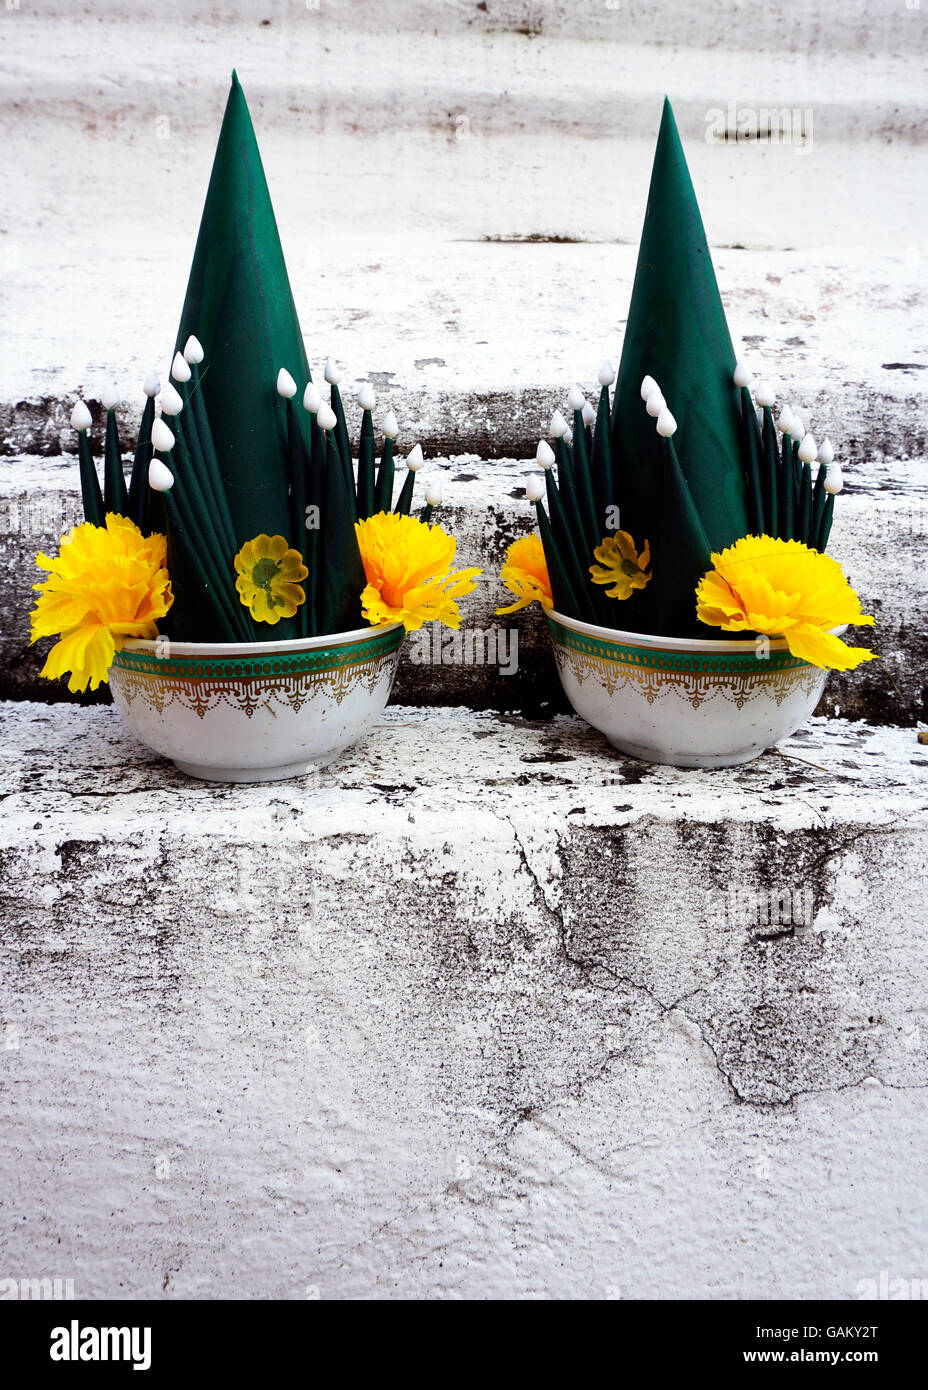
column 672, row 653
column 168, row 660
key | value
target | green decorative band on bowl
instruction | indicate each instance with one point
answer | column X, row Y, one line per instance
column 264, row 681
column 296, row 663
column 661, row 659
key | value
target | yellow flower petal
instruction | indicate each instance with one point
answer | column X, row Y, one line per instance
column 408, row 569
column 106, row 582
column 268, row 575
column 784, row 589
column 822, row 648
column 620, row 565
column 525, row 574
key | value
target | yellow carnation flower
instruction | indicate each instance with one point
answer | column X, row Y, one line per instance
column 784, row 589
column 269, row 575
column 105, row 584
column 622, row 566
column 409, row 575
column 525, row 573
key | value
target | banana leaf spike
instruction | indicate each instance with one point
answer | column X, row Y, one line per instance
column 601, row 455
column 563, row 585
column 341, row 573
column 681, row 546
column 834, row 483
column 140, row 509
column 807, row 453
column 753, row 452
column 570, row 509
column 786, row 516
column 414, row 462
column 562, row 539
column 819, row 495
column 203, row 520
column 771, row 475
column 333, row 376
column 314, row 488
column 91, row 496
column 367, row 485
column 200, row 437
column 581, row 468
column 189, row 553
column 298, row 463
column 432, row 500
column 115, row 494
column 383, row 492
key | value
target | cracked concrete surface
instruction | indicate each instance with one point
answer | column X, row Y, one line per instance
column 483, row 1010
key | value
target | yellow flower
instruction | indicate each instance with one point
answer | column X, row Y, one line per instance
column 106, row 583
column 623, row 567
column 525, row 573
column 409, row 575
column 784, row 589
column 269, row 575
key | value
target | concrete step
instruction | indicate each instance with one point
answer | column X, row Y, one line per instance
column 879, row 537
column 473, row 343
column 484, row 1010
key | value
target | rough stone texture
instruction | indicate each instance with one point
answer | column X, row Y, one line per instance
column 485, row 1010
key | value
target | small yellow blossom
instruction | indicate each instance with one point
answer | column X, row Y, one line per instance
column 784, row 589
column 622, row 566
column 525, row 573
column 105, row 584
column 409, row 575
column 269, row 575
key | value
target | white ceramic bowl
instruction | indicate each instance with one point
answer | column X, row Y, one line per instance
column 688, row 702
column 255, row 712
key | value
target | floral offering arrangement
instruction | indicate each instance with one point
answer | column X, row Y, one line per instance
column 245, row 519
column 674, row 509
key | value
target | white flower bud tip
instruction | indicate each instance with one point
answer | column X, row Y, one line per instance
column 655, row 403
column 558, row 426
column 743, row 375
column 588, row 413
column 834, row 479
column 326, row 416
column 193, row 350
column 534, row 487
column 367, row 396
column 808, row 449
column 647, row 386
column 160, row 477
column 764, row 393
column 575, row 398
column 666, row 424
column 171, row 401
column 109, row 397
column 311, row 397
column 286, row 386
column 390, row 428
column 797, row 429
column 826, row 452
column 81, row 417
column 785, row 420
column 414, row 459
column 161, row 437
column 544, row 454
column 152, row 384
column 332, row 374
column 180, row 368
column 433, row 492
column 606, row 374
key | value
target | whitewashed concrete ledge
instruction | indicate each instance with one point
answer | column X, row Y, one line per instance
column 483, row 1011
